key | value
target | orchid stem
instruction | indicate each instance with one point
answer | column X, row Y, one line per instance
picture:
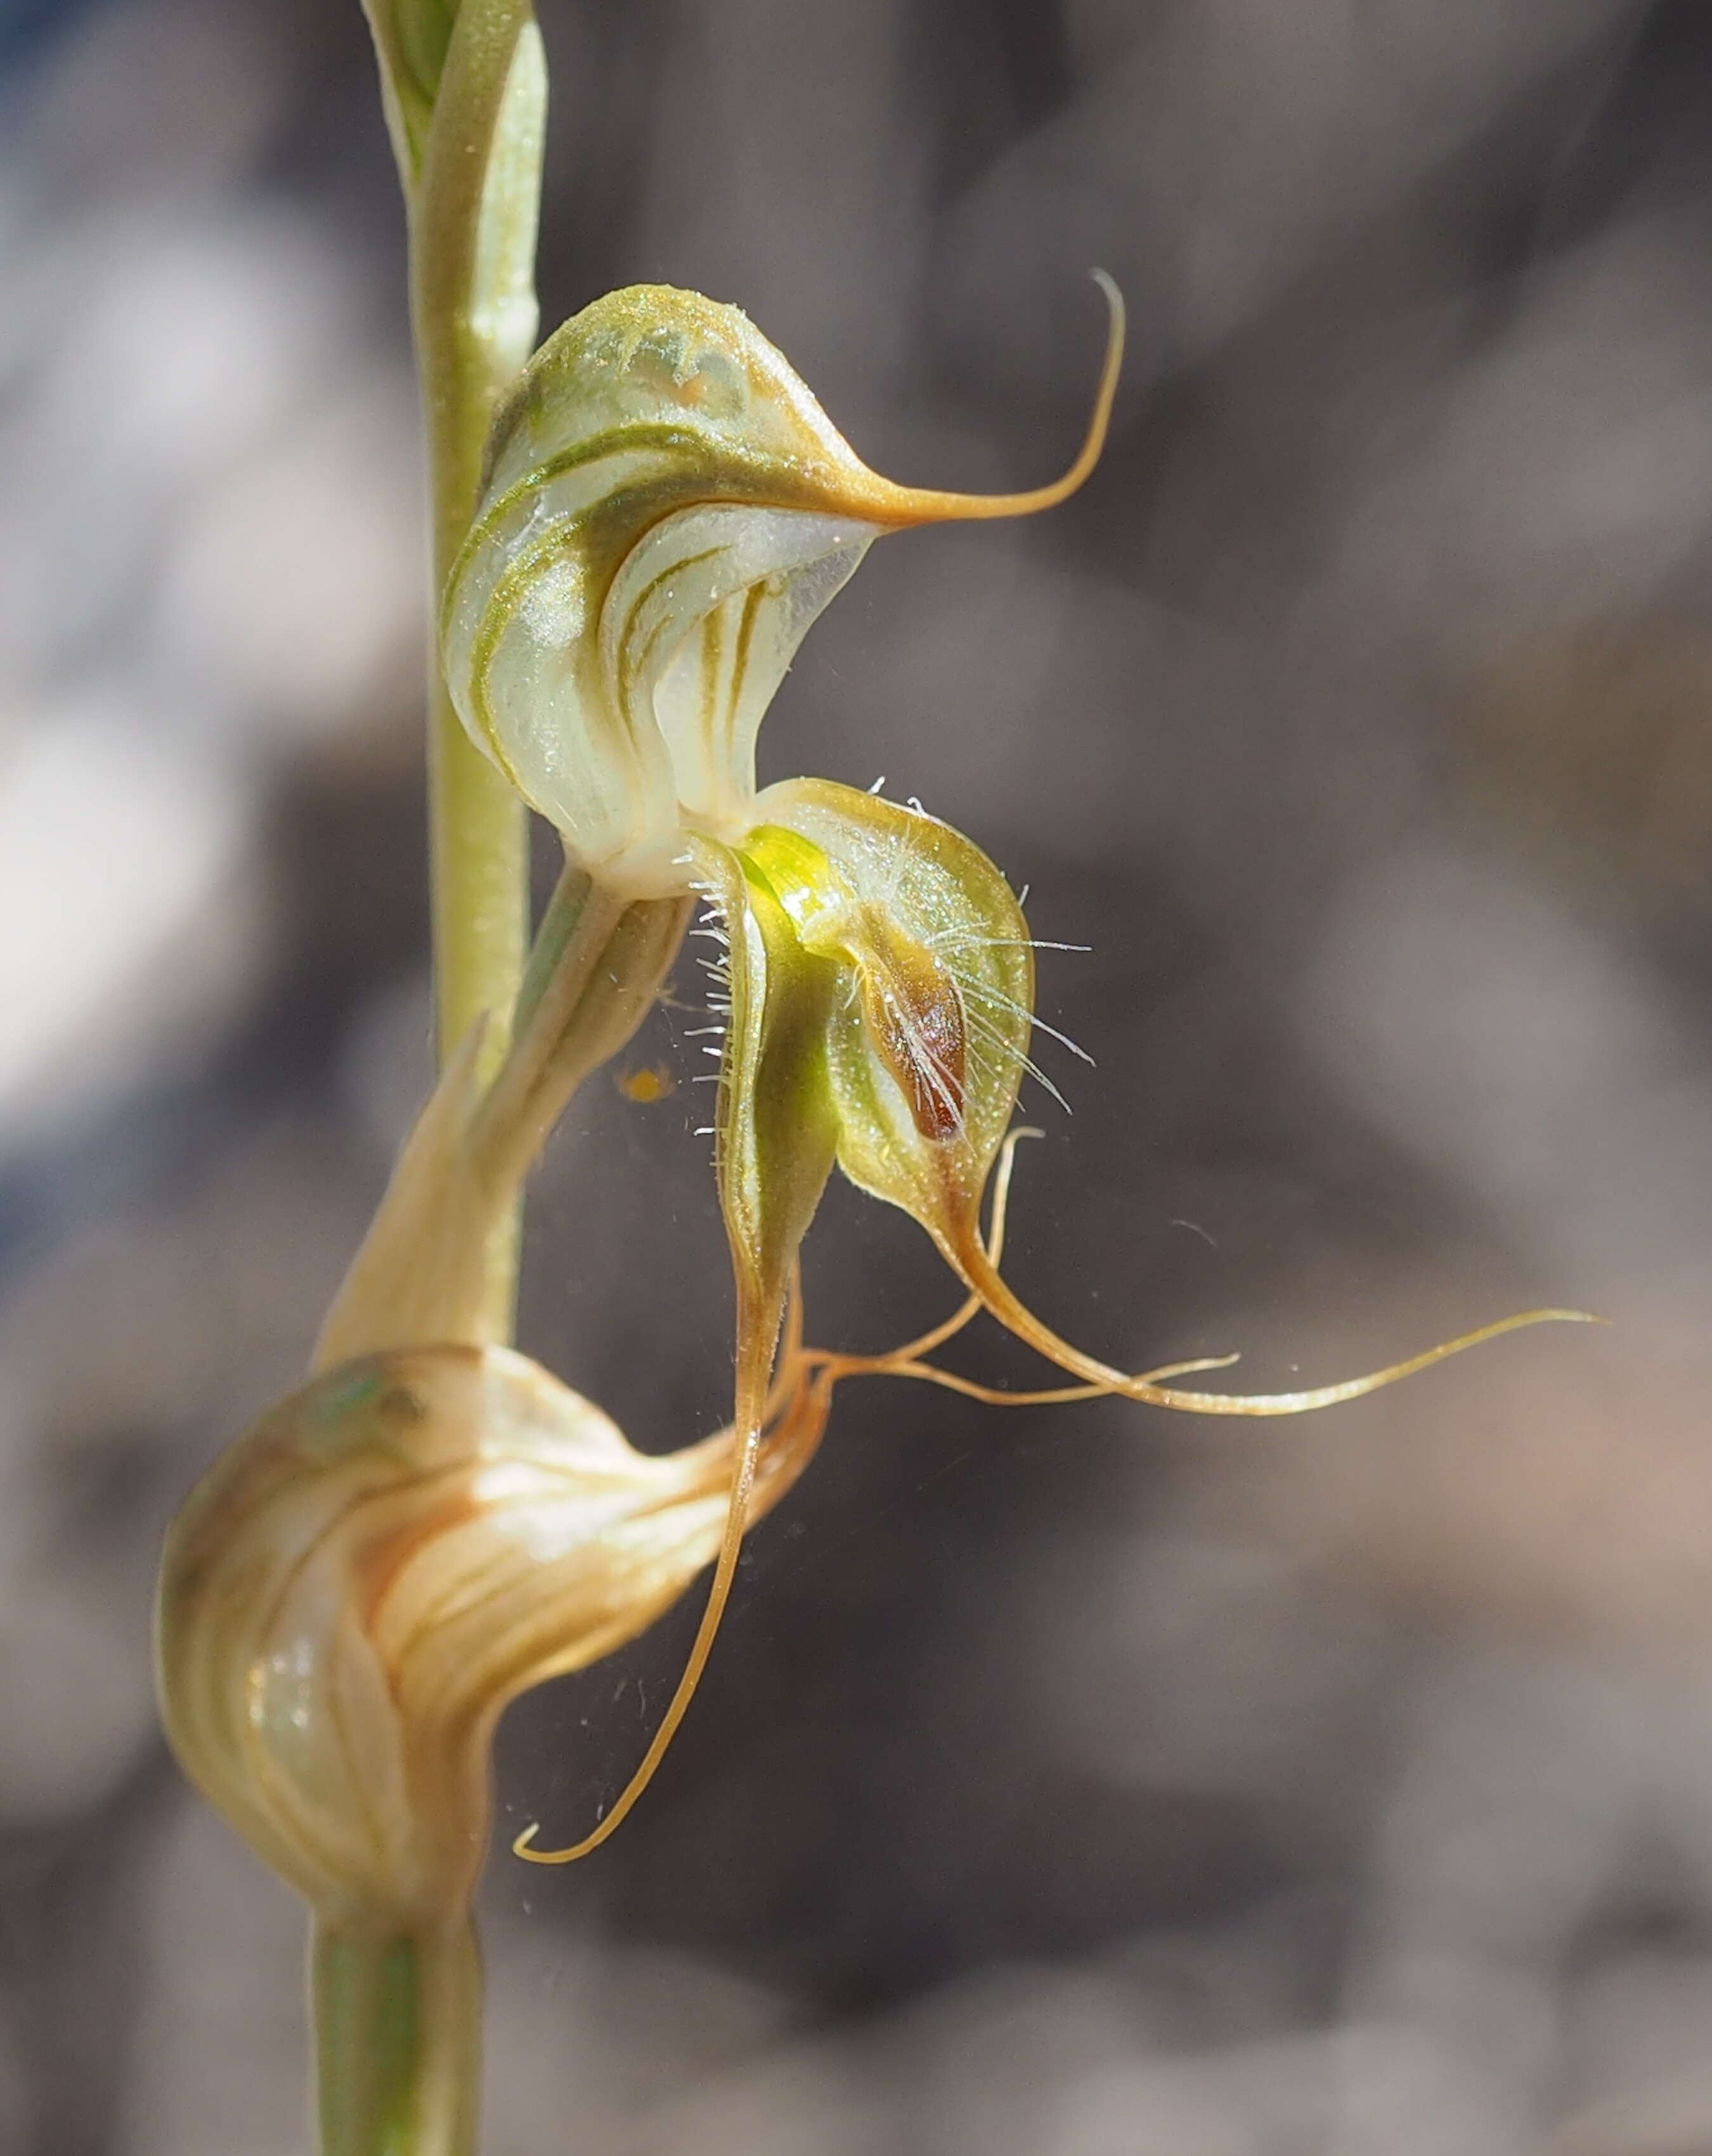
column 474, row 203
column 397, row 2024
column 397, row 2008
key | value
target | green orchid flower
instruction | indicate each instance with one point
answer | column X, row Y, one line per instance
column 666, row 511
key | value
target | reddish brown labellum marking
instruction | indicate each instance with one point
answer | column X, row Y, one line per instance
column 914, row 1017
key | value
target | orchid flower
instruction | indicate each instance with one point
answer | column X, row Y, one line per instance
column 666, row 511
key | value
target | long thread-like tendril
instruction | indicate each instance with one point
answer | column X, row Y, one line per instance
column 1001, row 1301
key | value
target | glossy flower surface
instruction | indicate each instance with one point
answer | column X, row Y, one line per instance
column 354, row 1592
column 665, row 512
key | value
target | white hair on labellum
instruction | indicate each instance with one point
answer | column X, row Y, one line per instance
column 954, row 945
column 982, row 1029
column 961, row 938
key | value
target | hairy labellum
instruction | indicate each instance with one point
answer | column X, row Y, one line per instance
column 927, row 1043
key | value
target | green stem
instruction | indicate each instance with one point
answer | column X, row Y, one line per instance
column 398, row 2009
column 474, row 208
column 397, row 2028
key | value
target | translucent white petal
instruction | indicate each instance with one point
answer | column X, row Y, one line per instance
column 520, row 651
column 703, row 619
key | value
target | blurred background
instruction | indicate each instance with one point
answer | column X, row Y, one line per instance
column 1080, row 1782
